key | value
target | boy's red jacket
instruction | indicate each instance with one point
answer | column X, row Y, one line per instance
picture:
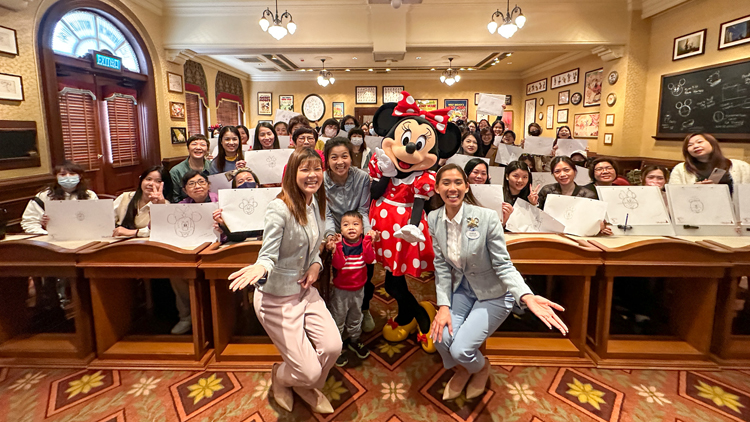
column 349, row 260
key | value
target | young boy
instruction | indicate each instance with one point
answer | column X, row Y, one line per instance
column 349, row 259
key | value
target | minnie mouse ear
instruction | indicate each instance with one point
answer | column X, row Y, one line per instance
column 450, row 141
column 384, row 119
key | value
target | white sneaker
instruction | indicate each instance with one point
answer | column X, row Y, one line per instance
column 183, row 326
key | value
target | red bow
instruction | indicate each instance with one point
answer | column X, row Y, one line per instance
column 422, row 338
column 392, row 323
column 407, row 106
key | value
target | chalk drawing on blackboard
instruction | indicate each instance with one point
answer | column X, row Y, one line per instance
column 746, row 78
column 718, row 116
column 676, row 89
column 668, row 122
column 714, row 79
column 683, row 108
column 688, row 124
column 706, row 103
column 733, row 92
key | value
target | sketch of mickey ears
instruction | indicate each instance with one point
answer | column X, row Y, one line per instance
column 196, row 216
column 171, row 218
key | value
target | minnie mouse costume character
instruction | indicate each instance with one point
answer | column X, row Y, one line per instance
column 413, row 142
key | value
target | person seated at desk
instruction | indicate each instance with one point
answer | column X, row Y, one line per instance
column 655, row 176
column 565, row 173
column 702, row 155
column 132, row 209
column 197, row 146
column 603, row 172
column 518, row 183
column 281, row 129
column 477, row 171
column 230, row 154
column 244, row 178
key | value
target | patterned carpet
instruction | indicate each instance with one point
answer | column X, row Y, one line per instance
column 398, row 382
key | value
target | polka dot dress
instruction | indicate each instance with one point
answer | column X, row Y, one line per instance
column 393, row 211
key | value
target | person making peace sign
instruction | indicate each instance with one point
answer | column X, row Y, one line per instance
column 132, row 209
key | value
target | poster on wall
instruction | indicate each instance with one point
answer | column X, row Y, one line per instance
column 391, row 93
column 460, row 109
column 508, row 120
column 265, row 102
column 550, row 116
column 564, row 79
column 338, row 110
column 286, row 102
column 366, row 95
column 529, row 114
column 593, row 93
column 428, row 105
column 538, row 86
column 586, row 125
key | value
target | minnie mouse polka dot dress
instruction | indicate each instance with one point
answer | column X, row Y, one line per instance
column 393, row 211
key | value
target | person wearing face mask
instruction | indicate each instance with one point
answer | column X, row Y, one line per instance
column 197, row 146
column 603, row 172
column 702, row 155
column 133, row 209
column 331, row 129
column 230, row 151
column 372, row 129
column 348, row 123
column 266, row 137
column 244, row 178
column 361, row 153
column 281, row 129
column 579, row 159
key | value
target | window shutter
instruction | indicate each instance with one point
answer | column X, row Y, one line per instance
column 228, row 113
column 123, row 130
column 193, row 114
column 78, row 116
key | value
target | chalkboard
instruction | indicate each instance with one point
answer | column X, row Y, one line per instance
column 713, row 99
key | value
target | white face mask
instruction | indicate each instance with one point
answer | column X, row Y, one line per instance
column 357, row 141
column 372, row 132
column 330, row 133
column 347, row 128
column 68, row 182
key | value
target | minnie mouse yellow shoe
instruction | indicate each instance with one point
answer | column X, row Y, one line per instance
column 395, row 333
column 424, row 339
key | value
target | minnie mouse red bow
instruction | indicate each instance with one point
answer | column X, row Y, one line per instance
column 407, row 106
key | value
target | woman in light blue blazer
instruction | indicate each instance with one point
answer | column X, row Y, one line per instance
column 475, row 281
column 289, row 308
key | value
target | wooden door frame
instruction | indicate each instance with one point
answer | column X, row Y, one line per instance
column 360, row 111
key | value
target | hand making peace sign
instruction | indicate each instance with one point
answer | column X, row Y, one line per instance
column 534, row 195
column 157, row 195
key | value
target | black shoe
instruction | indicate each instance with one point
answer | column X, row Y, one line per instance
column 360, row 349
column 342, row 360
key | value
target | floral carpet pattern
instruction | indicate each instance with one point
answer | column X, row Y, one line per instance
column 397, row 383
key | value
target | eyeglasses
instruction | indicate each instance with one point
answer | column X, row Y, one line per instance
column 192, row 184
column 603, row 169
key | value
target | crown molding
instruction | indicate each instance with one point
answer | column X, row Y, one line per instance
column 381, row 77
column 609, row 53
column 155, row 6
column 551, row 64
column 218, row 65
column 14, row 5
column 179, row 56
column 654, row 7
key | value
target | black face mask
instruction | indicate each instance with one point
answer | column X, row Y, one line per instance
column 535, row 132
column 579, row 163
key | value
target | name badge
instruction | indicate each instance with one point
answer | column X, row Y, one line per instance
column 472, row 234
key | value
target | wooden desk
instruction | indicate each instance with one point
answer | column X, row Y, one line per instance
column 111, row 270
column 24, row 256
column 232, row 351
column 692, row 273
column 565, row 261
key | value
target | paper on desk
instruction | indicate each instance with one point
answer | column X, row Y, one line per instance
column 461, row 160
column 538, row 145
column 507, row 153
column 701, row 205
column 569, row 146
column 268, row 164
column 244, row 209
column 489, row 196
column 642, row 205
column 581, row 216
column 497, row 175
column 80, row 220
column 373, row 142
column 742, row 194
column 284, row 116
column 491, row 104
column 183, row 225
column 527, row 218
column 220, row 181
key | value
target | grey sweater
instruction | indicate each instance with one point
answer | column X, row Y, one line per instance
column 353, row 195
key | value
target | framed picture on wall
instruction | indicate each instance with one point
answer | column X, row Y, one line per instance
column 592, row 95
column 562, row 115
column 286, row 102
column 11, row 87
column 178, row 135
column 586, row 125
column 563, row 97
column 608, row 138
column 508, row 99
column 550, row 116
column 734, row 33
column 427, row 105
column 366, row 95
column 391, row 93
column 476, row 98
column 564, row 79
column 177, row 110
column 174, row 83
column 609, row 120
column 538, row 86
column 508, row 119
column 338, row 110
column 8, row 41
column 689, row 45
column 529, row 113
column 460, row 109
column 265, row 104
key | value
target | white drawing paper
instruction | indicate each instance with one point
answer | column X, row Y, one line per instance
column 581, row 216
column 284, row 116
column 373, row 142
column 284, row 141
column 538, row 145
column 527, row 218
column 268, row 164
column 80, row 220
column 461, row 160
column 246, row 147
column 183, row 225
column 244, row 209
column 497, row 175
column 507, row 153
column 582, row 176
column 742, row 194
column 640, row 205
column 491, row 104
column 569, row 146
column 543, row 178
column 220, row 181
column 701, row 205
column 489, row 196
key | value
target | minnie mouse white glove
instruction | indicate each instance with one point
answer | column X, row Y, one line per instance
column 409, row 233
column 385, row 164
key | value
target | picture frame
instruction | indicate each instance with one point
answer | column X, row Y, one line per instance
column 427, row 105
column 508, row 100
column 11, row 87
column 174, row 83
column 563, row 97
column 391, row 93
column 508, row 119
column 576, row 98
column 265, row 104
column 734, row 33
column 586, row 125
column 286, row 102
column 337, row 110
column 689, row 45
column 177, row 110
column 178, row 135
column 313, row 107
column 550, row 116
column 535, row 87
column 592, row 95
column 476, row 98
column 529, row 113
column 562, row 115
column 460, row 109
column 609, row 120
column 608, row 138
column 8, row 41
column 569, row 77
column 366, row 95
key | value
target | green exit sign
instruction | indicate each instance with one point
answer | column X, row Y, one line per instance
column 104, row 61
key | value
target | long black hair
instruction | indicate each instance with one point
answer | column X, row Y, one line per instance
column 221, row 158
column 257, row 146
column 128, row 221
column 510, row 168
column 55, row 191
column 473, row 163
column 247, row 132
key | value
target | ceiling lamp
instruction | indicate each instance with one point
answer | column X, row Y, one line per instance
column 325, row 77
column 508, row 28
column 450, row 76
column 273, row 23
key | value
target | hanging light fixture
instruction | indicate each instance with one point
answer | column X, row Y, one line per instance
column 508, row 27
column 325, row 77
column 273, row 24
column 450, row 75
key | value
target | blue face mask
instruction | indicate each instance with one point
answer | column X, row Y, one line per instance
column 247, row 185
column 68, row 182
column 372, row 132
column 347, row 128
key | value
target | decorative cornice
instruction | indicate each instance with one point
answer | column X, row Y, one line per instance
column 654, row 7
column 609, row 53
column 15, row 5
column 376, row 77
column 551, row 64
column 179, row 56
column 155, row 6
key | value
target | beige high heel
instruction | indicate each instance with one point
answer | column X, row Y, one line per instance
column 315, row 398
column 456, row 384
column 283, row 395
column 478, row 382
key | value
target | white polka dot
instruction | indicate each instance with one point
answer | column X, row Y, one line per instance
column 431, row 176
column 401, row 210
column 424, row 264
column 372, row 221
column 393, row 189
column 383, row 213
column 398, row 246
column 439, row 118
column 426, row 187
column 421, row 246
column 397, row 112
column 410, row 100
column 401, row 97
column 413, row 243
column 410, row 110
column 421, row 226
column 392, row 195
column 396, row 227
column 403, row 268
column 385, row 235
column 415, row 263
column 440, row 127
column 387, row 268
column 387, row 253
column 380, row 251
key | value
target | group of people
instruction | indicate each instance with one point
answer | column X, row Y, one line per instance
column 344, row 206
